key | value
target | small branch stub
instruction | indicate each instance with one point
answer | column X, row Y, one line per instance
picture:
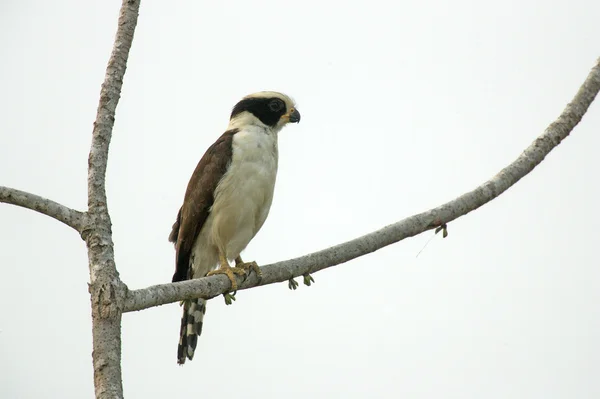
column 444, row 229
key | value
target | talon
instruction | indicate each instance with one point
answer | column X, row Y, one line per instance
column 308, row 279
column 248, row 266
column 229, row 271
column 229, row 297
column 292, row 284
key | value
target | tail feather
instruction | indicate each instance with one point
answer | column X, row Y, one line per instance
column 191, row 328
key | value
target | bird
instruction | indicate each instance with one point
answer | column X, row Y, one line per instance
column 227, row 201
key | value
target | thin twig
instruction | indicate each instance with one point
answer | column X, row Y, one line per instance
column 68, row 216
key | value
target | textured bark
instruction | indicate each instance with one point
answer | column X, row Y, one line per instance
column 110, row 297
column 106, row 289
column 68, row 216
column 209, row 287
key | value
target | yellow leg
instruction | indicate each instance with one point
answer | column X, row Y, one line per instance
column 248, row 266
column 227, row 270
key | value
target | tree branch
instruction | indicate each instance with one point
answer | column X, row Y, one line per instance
column 68, row 216
column 209, row 287
column 106, row 289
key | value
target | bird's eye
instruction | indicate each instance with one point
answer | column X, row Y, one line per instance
column 276, row 105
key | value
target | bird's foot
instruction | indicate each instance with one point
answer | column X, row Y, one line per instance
column 292, row 284
column 230, row 272
column 248, row 266
column 308, row 279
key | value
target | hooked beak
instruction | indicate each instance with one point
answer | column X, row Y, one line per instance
column 294, row 116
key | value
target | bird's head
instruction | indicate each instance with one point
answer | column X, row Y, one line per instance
column 270, row 108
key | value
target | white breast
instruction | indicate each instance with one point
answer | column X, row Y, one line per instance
column 243, row 197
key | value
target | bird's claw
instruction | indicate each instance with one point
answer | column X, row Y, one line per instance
column 308, row 279
column 248, row 266
column 230, row 272
column 292, row 284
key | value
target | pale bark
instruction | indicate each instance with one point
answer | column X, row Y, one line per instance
column 209, row 287
column 106, row 289
column 110, row 297
column 68, row 216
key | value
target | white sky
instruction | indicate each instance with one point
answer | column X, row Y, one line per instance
column 404, row 106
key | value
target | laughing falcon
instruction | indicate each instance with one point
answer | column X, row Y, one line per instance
column 227, row 201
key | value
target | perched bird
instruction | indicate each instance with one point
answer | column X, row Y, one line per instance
column 227, row 201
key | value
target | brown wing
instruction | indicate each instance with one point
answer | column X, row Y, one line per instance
column 199, row 197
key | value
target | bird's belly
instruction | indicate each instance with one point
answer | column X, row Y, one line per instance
column 204, row 254
column 242, row 202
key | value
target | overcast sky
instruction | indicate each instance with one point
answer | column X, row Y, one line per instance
column 404, row 106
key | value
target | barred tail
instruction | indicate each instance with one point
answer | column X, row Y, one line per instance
column 191, row 328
